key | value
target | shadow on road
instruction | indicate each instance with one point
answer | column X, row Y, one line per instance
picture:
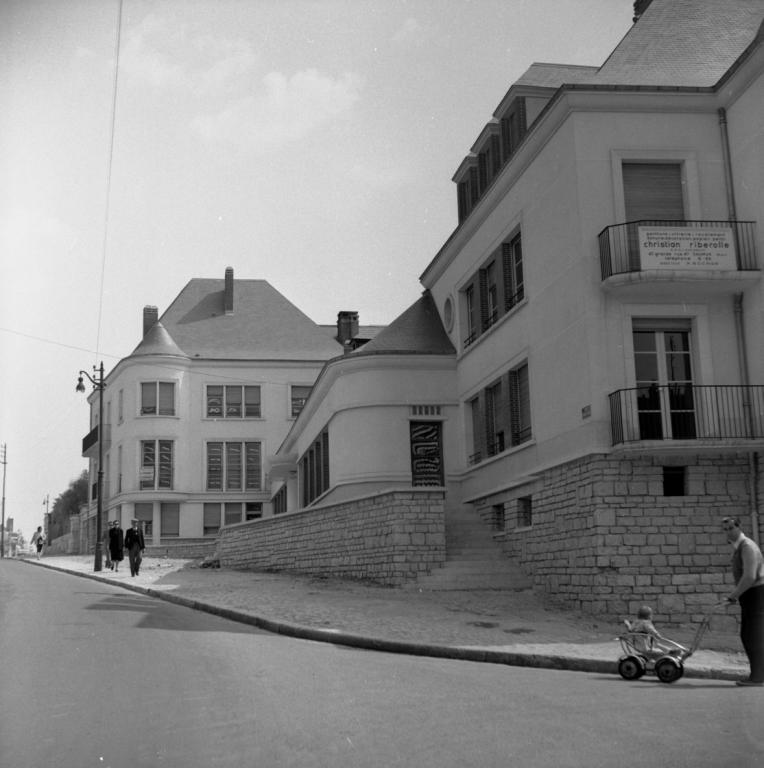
column 161, row 615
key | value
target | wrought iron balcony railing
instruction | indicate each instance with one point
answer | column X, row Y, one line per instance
column 686, row 411
column 659, row 244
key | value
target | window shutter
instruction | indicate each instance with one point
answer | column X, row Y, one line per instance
column 495, row 154
column 514, row 408
column 325, row 457
column 166, row 399
column 253, row 464
column 474, row 192
column 653, row 191
column 506, row 268
column 233, row 466
column 520, row 404
column 461, row 200
column 483, row 299
column 482, row 172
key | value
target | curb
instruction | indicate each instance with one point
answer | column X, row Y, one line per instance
column 459, row 653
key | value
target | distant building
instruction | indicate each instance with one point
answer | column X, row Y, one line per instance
column 584, row 370
column 191, row 416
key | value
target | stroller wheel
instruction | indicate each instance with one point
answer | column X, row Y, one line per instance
column 668, row 669
column 631, row 667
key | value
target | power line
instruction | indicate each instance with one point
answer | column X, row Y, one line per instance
column 108, row 173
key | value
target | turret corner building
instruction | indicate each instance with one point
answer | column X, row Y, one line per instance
column 581, row 381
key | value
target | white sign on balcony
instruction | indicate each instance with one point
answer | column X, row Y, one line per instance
column 687, row 248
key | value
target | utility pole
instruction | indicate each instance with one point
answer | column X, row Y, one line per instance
column 4, row 461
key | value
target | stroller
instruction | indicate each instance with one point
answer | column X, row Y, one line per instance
column 643, row 654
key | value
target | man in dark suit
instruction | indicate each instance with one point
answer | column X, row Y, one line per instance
column 134, row 544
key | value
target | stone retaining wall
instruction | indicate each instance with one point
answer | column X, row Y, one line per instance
column 605, row 539
column 388, row 538
column 192, row 549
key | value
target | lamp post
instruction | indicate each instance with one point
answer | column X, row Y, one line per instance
column 99, row 384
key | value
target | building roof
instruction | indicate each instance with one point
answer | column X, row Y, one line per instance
column 264, row 325
column 417, row 331
column 158, row 342
column 543, row 75
column 683, row 43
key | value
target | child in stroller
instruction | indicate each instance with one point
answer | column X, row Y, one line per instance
column 646, row 639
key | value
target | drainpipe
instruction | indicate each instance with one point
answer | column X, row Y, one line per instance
column 753, row 456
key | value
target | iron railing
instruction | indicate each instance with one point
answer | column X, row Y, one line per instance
column 620, row 246
column 686, row 411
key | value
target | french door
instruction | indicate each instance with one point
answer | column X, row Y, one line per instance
column 665, row 398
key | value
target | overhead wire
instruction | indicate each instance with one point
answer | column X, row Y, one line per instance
column 107, row 209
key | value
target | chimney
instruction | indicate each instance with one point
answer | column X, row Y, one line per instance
column 640, row 6
column 150, row 317
column 347, row 326
column 229, row 290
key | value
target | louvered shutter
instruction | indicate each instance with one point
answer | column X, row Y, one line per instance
column 483, row 299
column 653, row 191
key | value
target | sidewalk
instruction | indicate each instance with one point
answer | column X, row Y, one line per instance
column 492, row 626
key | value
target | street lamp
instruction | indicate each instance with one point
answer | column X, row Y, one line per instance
column 98, row 383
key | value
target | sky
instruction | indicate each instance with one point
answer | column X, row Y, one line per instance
column 310, row 143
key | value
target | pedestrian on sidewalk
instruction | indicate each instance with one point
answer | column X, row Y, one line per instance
column 106, row 547
column 748, row 573
column 134, row 544
column 116, row 545
column 38, row 539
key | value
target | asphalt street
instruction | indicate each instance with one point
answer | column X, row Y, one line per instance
column 95, row 675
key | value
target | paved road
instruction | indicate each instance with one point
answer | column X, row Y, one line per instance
column 97, row 676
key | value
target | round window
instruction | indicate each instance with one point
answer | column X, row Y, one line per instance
column 448, row 314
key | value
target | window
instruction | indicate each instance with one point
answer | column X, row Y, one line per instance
column 524, row 512
column 494, row 405
column 233, row 401
column 497, row 517
column 664, row 380
column 156, row 470
column 512, row 262
column 253, row 510
column 211, row 519
column 144, row 512
column 299, row 396
column 234, row 466
column 314, row 469
column 280, row 501
column 674, row 481
column 232, row 513
column 169, row 519
column 501, row 415
column 119, row 469
column 469, row 300
column 498, row 286
column 120, row 406
column 157, row 398
column 653, row 191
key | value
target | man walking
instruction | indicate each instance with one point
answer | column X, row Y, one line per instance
column 748, row 573
column 134, row 545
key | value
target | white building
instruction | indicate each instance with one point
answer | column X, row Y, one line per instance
column 584, row 370
column 191, row 416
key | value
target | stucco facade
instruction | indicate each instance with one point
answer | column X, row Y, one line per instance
column 601, row 391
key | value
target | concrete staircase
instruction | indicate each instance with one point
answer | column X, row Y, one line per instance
column 473, row 559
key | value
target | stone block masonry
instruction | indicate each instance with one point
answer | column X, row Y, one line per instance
column 605, row 539
column 388, row 538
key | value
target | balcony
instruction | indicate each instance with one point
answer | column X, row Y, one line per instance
column 713, row 415
column 90, row 442
column 662, row 251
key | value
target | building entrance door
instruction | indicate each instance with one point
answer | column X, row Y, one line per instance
column 426, row 453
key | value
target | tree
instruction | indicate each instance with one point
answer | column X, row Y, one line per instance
column 67, row 504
